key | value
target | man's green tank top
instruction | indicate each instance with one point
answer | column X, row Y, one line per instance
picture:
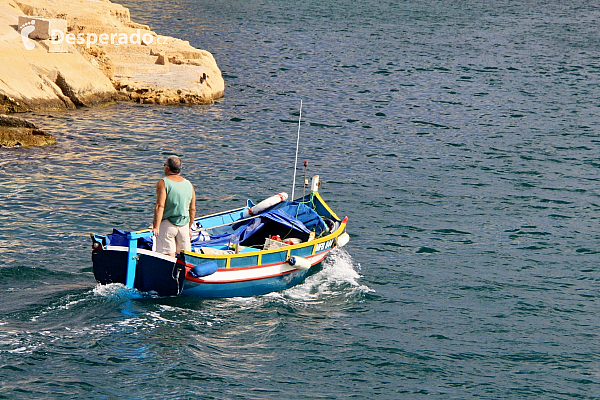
column 177, row 205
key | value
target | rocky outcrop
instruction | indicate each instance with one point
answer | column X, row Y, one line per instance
column 16, row 132
column 109, row 57
column 32, row 79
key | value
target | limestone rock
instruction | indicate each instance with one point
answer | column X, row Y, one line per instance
column 16, row 131
column 30, row 83
column 10, row 105
column 141, row 64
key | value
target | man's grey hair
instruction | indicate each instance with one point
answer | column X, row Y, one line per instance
column 174, row 164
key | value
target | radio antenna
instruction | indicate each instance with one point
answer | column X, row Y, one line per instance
column 297, row 144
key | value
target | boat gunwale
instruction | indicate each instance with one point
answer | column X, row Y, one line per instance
column 331, row 236
column 326, row 238
column 151, row 253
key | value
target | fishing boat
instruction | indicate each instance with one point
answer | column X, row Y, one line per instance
column 252, row 250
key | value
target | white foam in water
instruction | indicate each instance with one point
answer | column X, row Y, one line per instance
column 54, row 307
column 117, row 291
column 339, row 276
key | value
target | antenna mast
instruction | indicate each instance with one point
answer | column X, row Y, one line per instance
column 297, row 144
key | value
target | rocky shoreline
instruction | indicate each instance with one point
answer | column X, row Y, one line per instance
column 17, row 132
column 102, row 56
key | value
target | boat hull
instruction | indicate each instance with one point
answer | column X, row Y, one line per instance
column 249, row 281
column 155, row 273
column 245, row 288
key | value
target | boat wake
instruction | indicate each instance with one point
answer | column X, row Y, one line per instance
column 118, row 291
column 338, row 277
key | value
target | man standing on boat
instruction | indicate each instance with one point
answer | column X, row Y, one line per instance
column 175, row 210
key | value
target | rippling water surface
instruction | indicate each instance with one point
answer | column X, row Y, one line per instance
column 461, row 139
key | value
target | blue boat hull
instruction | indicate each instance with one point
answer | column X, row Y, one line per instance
column 153, row 274
column 246, row 288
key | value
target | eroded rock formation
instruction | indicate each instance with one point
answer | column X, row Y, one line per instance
column 16, row 132
column 111, row 61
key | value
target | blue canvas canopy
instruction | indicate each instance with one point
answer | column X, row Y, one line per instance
column 296, row 216
column 239, row 235
column 303, row 213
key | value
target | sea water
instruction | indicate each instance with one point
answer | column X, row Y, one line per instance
column 461, row 140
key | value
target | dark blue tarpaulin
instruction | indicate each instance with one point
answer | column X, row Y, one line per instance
column 119, row 238
column 237, row 236
column 296, row 216
column 304, row 214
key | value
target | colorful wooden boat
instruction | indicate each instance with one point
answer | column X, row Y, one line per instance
column 248, row 251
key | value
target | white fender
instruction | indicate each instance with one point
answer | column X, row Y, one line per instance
column 299, row 262
column 343, row 239
column 314, row 185
column 263, row 205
